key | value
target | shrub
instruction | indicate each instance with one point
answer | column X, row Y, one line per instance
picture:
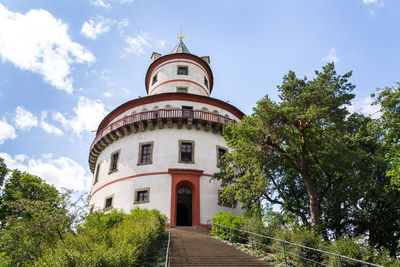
column 112, row 239
column 225, row 233
column 358, row 249
column 302, row 237
column 256, row 225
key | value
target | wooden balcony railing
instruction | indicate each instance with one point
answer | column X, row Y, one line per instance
column 163, row 115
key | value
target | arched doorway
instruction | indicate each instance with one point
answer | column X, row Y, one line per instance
column 191, row 180
column 184, row 207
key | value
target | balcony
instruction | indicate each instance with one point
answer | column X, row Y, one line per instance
column 151, row 119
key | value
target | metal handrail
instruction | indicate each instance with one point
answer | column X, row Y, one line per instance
column 161, row 114
column 169, row 241
column 340, row 257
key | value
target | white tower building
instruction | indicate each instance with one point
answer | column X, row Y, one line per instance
column 161, row 151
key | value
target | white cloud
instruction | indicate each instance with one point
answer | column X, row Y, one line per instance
column 87, row 117
column 6, row 131
column 137, row 44
column 367, row 2
column 24, row 120
column 107, row 3
column 48, row 128
column 161, row 43
column 95, row 27
column 107, row 94
column 61, row 172
column 123, row 23
column 125, row 90
column 38, row 42
column 331, row 57
column 364, row 106
column 372, row 5
column 379, row 3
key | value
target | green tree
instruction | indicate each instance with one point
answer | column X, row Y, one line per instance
column 288, row 152
column 22, row 185
column 369, row 203
column 33, row 216
column 389, row 101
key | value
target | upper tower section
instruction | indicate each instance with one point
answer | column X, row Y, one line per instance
column 180, row 72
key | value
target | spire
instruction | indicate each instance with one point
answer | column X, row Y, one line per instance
column 180, row 48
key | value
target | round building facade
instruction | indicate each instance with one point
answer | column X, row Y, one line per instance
column 161, row 151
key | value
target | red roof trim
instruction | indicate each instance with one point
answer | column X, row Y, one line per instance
column 168, row 97
column 180, row 80
column 177, row 61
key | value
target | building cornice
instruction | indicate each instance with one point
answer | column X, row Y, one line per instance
column 167, row 97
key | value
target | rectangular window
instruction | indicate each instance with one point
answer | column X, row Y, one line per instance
column 205, row 81
column 96, row 174
column 154, row 78
column 145, row 153
column 182, row 89
column 114, row 162
column 221, row 151
column 142, row 195
column 109, row 202
column 182, row 70
column 186, row 151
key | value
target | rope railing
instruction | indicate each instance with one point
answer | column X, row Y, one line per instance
column 250, row 237
column 168, row 245
column 162, row 114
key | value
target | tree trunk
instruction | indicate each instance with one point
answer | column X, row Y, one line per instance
column 314, row 202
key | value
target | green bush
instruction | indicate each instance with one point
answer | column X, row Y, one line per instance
column 112, row 239
column 225, row 233
column 301, row 237
column 358, row 249
column 256, row 225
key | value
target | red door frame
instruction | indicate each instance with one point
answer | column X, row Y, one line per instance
column 187, row 178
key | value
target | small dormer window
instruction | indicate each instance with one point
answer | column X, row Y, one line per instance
column 182, row 89
column 154, row 78
column 182, row 70
column 205, row 81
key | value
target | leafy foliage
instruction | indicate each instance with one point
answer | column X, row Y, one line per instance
column 21, row 185
column 278, row 228
column 224, row 233
column 285, row 149
column 334, row 172
column 33, row 215
column 113, row 239
column 37, row 228
column 357, row 249
column 389, row 101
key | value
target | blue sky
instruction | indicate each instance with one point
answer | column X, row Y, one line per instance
column 66, row 64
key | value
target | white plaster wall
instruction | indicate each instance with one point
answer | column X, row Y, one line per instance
column 165, row 156
column 176, row 104
column 124, row 193
column 167, row 71
column 209, row 200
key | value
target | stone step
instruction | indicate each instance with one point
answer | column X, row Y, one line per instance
column 193, row 247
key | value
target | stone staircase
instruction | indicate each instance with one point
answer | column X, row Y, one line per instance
column 193, row 247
